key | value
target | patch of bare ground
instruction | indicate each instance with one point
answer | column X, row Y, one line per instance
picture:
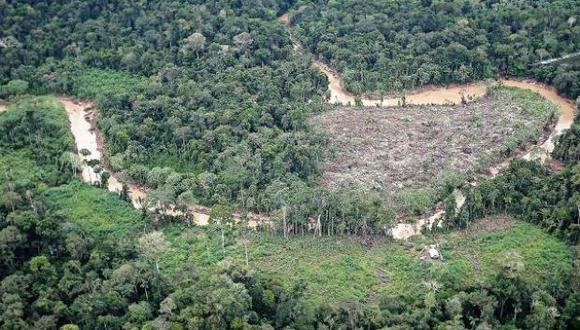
column 491, row 224
column 386, row 149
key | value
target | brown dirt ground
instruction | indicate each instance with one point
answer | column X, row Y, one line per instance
column 492, row 224
column 385, row 149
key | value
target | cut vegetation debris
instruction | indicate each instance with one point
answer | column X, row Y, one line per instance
column 412, row 147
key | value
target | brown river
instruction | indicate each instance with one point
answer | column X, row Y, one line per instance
column 81, row 116
column 452, row 94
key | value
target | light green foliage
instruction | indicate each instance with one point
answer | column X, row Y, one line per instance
column 33, row 135
column 337, row 269
column 415, row 201
column 13, row 87
column 98, row 211
column 19, row 168
column 97, row 82
column 545, row 258
column 38, row 123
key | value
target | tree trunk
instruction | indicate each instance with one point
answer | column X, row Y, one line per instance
column 318, row 229
column 285, row 226
column 223, row 241
column 246, row 251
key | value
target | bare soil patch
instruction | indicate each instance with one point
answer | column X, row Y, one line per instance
column 492, row 224
column 385, row 149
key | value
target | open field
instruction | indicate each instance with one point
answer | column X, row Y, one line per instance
column 385, row 149
column 338, row 269
column 96, row 210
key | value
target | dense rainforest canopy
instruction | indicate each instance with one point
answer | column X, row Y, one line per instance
column 74, row 256
column 207, row 101
column 380, row 46
column 212, row 89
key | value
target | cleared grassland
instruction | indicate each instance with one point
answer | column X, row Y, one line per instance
column 338, row 269
column 386, row 149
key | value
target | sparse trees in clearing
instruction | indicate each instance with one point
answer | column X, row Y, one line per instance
column 153, row 246
column 243, row 229
column 105, row 179
column 222, row 216
column 184, row 201
column 71, row 160
column 124, row 193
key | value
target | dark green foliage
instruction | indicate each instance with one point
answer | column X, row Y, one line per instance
column 211, row 88
column 381, row 46
column 567, row 148
column 206, row 101
column 528, row 190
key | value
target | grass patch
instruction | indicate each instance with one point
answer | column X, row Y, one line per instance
column 336, row 269
column 545, row 257
column 96, row 210
column 33, row 134
column 18, row 168
column 35, row 122
column 95, row 82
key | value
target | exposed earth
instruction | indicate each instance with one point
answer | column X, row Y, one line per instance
column 392, row 145
column 385, row 149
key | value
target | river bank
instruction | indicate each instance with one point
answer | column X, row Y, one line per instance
column 448, row 95
column 82, row 115
column 540, row 152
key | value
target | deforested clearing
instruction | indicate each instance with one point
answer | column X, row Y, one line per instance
column 385, row 149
